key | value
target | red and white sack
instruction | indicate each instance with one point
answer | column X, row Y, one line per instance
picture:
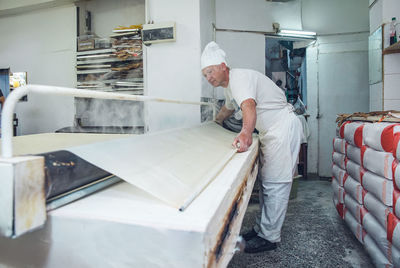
column 377, row 162
column 378, row 258
column 354, row 170
column 396, row 203
column 339, row 145
column 353, row 153
column 340, row 130
column 353, row 133
column 378, row 233
column 339, row 159
column 354, row 226
column 338, row 191
column 377, row 209
column 396, row 174
column 339, row 174
column 354, row 208
column 339, row 207
column 380, row 187
column 380, row 136
column 393, row 230
column 354, row 189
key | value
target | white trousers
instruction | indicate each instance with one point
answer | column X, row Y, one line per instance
column 274, row 199
column 279, row 150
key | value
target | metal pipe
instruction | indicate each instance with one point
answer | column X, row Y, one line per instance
column 17, row 94
column 241, row 31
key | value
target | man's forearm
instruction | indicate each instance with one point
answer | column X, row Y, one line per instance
column 245, row 138
column 223, row 114
column 249, row 116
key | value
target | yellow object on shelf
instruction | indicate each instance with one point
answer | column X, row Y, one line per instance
column 138, row 26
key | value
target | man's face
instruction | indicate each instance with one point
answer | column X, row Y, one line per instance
column 214, row 74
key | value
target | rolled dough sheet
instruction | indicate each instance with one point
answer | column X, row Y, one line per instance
column 172, row 165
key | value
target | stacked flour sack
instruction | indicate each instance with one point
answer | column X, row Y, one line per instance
column 371, row 188
column 347, row 186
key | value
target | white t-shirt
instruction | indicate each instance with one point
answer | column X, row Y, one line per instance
column 271, row 104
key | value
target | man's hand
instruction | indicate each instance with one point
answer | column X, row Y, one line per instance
column 243, row 141
column 245, row 138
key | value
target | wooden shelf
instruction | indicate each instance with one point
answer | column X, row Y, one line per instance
column 395, row 48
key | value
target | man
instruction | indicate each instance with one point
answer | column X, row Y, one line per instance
column 265, row 108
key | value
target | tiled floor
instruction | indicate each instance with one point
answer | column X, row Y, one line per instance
column 313, row 234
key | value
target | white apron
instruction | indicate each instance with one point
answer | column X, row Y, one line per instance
column 280, row 145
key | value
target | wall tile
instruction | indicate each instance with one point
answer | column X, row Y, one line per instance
column 392, row 105
column 392, row 63
column 391, row 86
column 375, row 97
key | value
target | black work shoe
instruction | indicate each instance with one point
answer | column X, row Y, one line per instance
column 249, row 235
column 258, row 244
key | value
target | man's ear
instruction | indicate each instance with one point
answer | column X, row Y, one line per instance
column 223, row 66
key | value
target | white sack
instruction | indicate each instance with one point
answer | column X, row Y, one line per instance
column 353, row 153
column 396, row 202
column 378, row 233
column 354, row 226
column 395, row 257
column 380, row 136
column 339, row 159
column 354, row 208
column 354, row 170
column 353, row 133
column 393, row 230
column 339, row 145
column 338, row 191
column 354, row 188
column 378, row 162
column 380, row 187
column 378, row 258
column 377, row 209
column 339, row 174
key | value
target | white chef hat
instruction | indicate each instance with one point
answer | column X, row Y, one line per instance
column 212, row 55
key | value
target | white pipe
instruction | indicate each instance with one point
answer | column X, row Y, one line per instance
column 17, row 94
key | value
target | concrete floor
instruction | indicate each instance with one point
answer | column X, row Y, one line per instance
column 313, row 234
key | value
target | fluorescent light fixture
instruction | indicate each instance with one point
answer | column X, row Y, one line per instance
column 296, row 32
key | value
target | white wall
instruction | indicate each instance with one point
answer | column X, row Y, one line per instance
column 13, row 7
column 247, row 50
column 375, row 16
column 173, row 68
column 257, row 15
column 387, row 91
column 42, row 43
column 338, row 16
column 207, row 20
column 106, row 15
